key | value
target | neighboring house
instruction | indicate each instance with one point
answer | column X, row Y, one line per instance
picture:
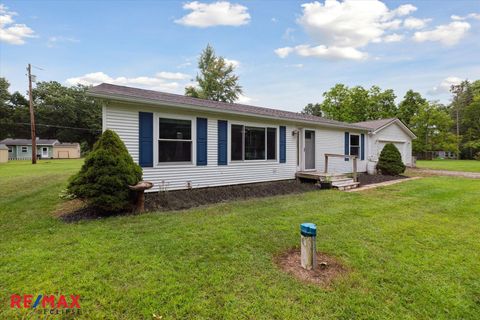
column 66, row 150
column 385, row 131
column 444, row 154
column 3, row 153
column 182, row 142
column 21, row 149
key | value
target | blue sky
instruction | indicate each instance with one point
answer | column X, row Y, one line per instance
column 287, row 53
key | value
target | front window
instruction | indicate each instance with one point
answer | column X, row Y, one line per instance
column 354, row 145
column 174, row 140
column 253, row 143
column 24, row 149
column 10, row 149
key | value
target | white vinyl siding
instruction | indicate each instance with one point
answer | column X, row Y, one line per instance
column 123, row 119
column 393, row 134
column 330, row 140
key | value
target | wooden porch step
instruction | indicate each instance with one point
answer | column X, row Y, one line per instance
column 347, row 185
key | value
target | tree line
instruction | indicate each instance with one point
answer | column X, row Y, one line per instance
column 454, row 127
column 63, row 113
column 67, row 114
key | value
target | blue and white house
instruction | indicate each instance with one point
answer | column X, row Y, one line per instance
column 183, row 142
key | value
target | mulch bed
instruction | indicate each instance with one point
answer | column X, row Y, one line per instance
column 366, row 179
column 322, row 276
column 185, row 199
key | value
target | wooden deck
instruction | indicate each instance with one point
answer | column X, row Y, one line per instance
column 340, row 181
column 318, row 175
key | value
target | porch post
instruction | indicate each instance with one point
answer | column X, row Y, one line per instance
column 355, row 169
column 326, row 163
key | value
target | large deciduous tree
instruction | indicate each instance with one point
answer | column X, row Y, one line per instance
column 355, row 104
column 409, row 107
column 432, row 125
column 216, row 80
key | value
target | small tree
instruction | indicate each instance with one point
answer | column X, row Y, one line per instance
column 390, row 161
column 106, row 174
column 216, row 80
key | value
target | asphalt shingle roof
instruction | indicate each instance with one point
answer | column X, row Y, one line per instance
column 27, row 142
column 375, row 124
column 106, row 90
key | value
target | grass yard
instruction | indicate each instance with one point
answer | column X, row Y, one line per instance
column 413, row 250
column 450, row 165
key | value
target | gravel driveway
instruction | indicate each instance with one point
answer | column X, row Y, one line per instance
column 474, row 175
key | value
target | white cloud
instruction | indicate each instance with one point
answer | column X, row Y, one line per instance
column 283, row 52
column 53, row 41
column 404, row 10
column 445, row 85
column 449, row 34
column 415, row 23
column 468, row 16
column 340, row 29
column 394, row 37
column 158, row 82
column 322, row 51
column 221, row 13
column 11, row 32
column 244, row 99
column 234, row 63
column 172, row 75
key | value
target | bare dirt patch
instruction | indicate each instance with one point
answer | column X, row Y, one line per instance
column 68, row 207
column 76, row 210
column 322, row 276
column 185, row 199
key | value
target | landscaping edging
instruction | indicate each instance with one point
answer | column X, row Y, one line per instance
column 381, row 184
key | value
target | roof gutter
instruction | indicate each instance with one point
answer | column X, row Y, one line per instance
column 207, row 109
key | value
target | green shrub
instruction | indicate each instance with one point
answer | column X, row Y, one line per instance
column 477, row 156
column 390, row 161
column 104, row 177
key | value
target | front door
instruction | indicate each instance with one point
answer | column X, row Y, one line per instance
column 309, row 149
column 44, row 152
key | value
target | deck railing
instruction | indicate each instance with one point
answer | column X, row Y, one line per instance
column 354, row 162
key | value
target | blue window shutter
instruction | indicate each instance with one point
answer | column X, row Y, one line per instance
column 347, row 145
column 222, row 142
column 362, row 146
column 201, row 141
column 145, row 135
column 283, row 144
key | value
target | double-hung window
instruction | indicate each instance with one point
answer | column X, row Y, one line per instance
column 174, row 140
column 24, row 149
column 253, row 143
column 354, row 145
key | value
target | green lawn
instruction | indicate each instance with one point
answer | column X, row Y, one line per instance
column 451, row 165
column 413, row 250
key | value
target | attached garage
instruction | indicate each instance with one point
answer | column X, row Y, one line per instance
column 389, row 131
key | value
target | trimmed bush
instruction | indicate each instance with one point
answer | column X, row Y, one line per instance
column 390, row 161
column 105, row 176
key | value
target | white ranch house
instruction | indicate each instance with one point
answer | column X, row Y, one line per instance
column 182, row 142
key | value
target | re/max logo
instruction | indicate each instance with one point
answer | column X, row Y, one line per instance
column 26, row 301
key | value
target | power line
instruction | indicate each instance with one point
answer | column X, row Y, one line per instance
column 52, row 126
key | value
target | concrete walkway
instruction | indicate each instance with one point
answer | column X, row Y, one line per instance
column 433, row 172
column 381, row 184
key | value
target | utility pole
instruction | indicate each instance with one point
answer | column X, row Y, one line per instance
column 32, row 116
